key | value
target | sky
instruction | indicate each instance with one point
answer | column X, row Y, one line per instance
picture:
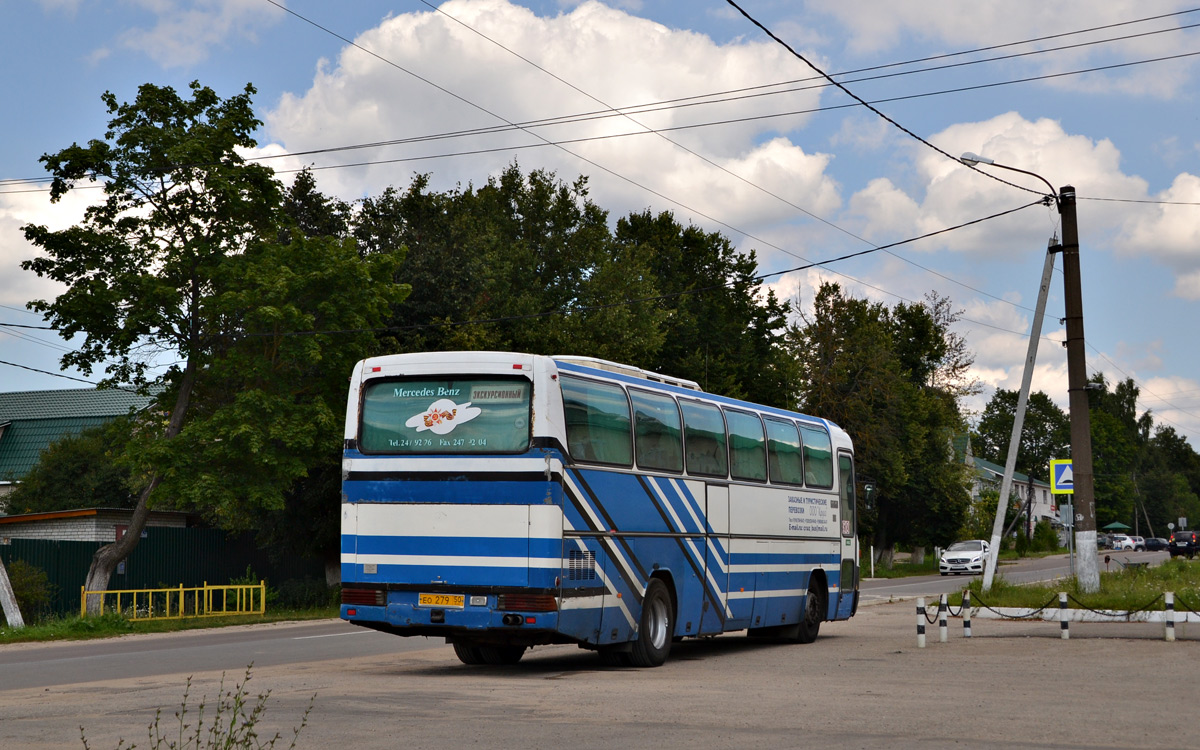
column 689, row 107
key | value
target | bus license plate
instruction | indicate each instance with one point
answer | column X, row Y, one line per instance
column 454, row 601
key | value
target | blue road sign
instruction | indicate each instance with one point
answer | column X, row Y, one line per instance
column 1062, row 480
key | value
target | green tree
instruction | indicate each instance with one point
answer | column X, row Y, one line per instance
column 892, row 378
column 1168, row 482
column 1119, row 440
column 79, row 471
column 1045, row 434
column 523, row 263
column 721, row 328
column 181, row 258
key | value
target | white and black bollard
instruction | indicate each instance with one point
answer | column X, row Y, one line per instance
column 1062, row 616
column 966, row 613
column 921, row 622
column 1169, row 614
column 943, row 632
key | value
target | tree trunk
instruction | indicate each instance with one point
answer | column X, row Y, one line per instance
column 109, row 556
column 918, row 556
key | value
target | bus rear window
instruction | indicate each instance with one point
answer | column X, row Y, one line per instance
column 462, row 415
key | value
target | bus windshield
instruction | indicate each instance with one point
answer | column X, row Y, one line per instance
column 461, row 415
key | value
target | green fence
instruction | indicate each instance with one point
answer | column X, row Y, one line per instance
column 165, row 557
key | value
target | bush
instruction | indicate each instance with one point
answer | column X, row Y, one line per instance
column 307, row 593
column 1045, row 538
column 296, row 593
column 1022, row 545
column 32, row 588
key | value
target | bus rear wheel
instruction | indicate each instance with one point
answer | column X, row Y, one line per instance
column 657, row 627
column 468, row 654
column 500, row 655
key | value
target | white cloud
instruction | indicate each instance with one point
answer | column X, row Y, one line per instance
column 359, row 99
column 955, row 194
column 881, row 208
column 879, row 26
column 187, row 31
column 18, row 286
column 1169, row 234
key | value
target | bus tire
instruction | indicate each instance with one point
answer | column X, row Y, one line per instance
column 814, row 613
column 657, row 626
column 501, row 655
column 468, row 654
column 613, row 656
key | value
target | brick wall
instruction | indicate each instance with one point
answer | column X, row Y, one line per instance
column 101, row 527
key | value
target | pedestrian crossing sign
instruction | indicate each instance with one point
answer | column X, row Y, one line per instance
column 1062, row 480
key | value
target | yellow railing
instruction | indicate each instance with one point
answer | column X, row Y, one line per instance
column 176, row 603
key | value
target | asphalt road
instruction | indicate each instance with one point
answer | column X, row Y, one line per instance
column 862, row 684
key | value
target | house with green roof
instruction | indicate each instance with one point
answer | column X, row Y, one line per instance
column 31, row 420
column 987, row 475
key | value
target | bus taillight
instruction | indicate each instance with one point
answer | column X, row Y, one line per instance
column 527, row 602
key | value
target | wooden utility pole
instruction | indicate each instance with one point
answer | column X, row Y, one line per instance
column 1088, row 572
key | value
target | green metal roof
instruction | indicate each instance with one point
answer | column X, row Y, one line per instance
column 998, row 470
column 81, row 402
column 23, row 442
column 31, row 420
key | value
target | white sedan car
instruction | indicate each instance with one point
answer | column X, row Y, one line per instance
column 964, row 557
column 1122, row 542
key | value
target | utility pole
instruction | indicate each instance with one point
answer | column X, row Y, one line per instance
column 1088, row 572
column 1014, row 441
column 8, row 601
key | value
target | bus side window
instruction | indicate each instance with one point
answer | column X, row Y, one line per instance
column 818, row 457
column 598, row 424
column 656, row 431
column 747, row 446
column 783, row 452
column 704, row 436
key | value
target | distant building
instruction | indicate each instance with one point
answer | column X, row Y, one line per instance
column 989, row 476
column 31, row 420
column 84, row 525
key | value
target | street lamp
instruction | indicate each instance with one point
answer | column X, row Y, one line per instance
column 1088, row 572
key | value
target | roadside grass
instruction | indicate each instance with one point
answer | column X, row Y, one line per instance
column 110, row 625
column 1121, row 590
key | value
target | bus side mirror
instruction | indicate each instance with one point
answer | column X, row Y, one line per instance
column 869, row 496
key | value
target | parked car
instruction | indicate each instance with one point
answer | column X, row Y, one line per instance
column 1139, row 543
column 1121, row 542
column 1184, row 543
column 964, row 557
column 1156, row 543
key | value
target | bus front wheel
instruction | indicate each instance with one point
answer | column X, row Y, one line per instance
column 814, row 613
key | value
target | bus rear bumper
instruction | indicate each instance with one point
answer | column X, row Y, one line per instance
column 404, row 618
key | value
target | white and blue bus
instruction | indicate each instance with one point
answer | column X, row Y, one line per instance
column 505, row 501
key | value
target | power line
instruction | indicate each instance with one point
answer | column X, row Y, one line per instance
column 864, row 103
column 610, row 108
column 48, row 372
